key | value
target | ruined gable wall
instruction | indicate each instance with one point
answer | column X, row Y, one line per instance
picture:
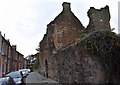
column 98, row 19
column 47, row 47
column 66, row 63
column 67, row 27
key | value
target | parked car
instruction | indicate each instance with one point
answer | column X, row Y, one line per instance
column 7, row 81
column 25, row 72
column 17, row 77
column 29, row 70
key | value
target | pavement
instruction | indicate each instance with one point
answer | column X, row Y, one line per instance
column 35, row 77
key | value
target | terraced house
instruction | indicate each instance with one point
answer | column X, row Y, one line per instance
column 10, row 58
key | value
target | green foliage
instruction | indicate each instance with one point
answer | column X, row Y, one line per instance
column 33, row 61
column 105, row 46
column 100, row 42
column 36, row 63
column 29, row 66
column 81, row 38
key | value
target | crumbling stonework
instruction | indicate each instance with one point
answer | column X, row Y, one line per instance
column 66, row 60
column 75, row 66
column 80, row 63
column 98, row 19
column 67, row 28
column 64, row 30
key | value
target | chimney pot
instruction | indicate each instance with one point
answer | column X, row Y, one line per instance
column 66, row 6
column 4, row 35
column 14, row 47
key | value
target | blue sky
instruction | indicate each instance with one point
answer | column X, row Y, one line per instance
column 24, row 22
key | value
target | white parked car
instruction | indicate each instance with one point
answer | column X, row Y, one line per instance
column 25, row 72
column 7, row 81
column 28, row 70
column 17, row 77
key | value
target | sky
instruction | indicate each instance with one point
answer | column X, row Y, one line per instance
column 119, row 17
column 24, row 22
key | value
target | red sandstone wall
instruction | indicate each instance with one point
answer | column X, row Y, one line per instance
column 65, row 63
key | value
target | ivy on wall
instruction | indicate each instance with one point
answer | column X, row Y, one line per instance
column 105, row 46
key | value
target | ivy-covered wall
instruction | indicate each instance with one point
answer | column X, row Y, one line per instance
column 69, row 53
column 93, row 59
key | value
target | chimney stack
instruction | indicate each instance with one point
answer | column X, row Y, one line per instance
column 4, row 35
column 66, row 6
column 14, row 47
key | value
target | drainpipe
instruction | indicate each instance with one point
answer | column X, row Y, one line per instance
column 1, row 55
column 7, row 57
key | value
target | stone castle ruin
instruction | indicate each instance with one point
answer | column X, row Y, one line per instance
column 71, row 53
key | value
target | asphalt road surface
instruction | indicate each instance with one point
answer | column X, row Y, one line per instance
column 35, row 77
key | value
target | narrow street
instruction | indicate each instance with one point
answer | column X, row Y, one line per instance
column 35, row 77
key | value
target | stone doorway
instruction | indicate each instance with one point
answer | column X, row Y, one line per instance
column 46, row 68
